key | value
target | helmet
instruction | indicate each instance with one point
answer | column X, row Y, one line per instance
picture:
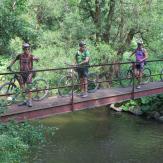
column 139, row 43
column 82, row 43
column 26, row 45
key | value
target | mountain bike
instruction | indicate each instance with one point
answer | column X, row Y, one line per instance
column 12, row 93
column 126, row 77
column 71, row 81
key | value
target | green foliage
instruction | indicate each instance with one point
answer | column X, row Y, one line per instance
column 76, row 28
column 47, row 14
column 28, row 133
column 2, row 107
column 16, row 138
column 12, row 149
column 129, row 104
column 102, row 53
column 152, row 103
column 147, row 104
column 14, row 24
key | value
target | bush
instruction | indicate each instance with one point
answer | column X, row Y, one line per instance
column 11, row 149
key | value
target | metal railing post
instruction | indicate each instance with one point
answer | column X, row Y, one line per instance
column 72, row 93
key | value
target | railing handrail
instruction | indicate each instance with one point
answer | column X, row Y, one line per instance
column 70, row 67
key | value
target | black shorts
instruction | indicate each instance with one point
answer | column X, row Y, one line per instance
column 140, row 66
column 82, row 72
column 25, row 78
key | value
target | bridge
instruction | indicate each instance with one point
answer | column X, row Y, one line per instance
column 56, row 104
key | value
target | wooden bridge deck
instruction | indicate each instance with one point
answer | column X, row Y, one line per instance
column 57, row 105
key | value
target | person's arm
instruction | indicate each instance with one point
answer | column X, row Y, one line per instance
column 12, row 62
column 145, row 55
column 75, row 63
column 35, row 58
column 132, row 53
column 85, row 61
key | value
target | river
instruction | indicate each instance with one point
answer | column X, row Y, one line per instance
column 101, row 136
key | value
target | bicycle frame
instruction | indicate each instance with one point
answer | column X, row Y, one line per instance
column 71, row 72
column 12, row 82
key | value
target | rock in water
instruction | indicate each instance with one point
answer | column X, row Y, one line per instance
column 135, row 110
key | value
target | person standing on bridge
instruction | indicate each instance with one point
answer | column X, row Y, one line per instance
column 141, row 56
column 25, row 78
column 82, row 58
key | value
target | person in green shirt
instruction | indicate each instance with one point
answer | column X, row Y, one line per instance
column 82, row 58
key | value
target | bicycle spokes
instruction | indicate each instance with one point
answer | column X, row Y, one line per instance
column 40, row 89
column 8, row 92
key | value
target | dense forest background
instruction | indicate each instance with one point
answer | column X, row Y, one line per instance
column 54, row 28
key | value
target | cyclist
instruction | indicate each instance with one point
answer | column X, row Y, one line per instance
column 141, row 56
column 82, row 58
column 25, row 78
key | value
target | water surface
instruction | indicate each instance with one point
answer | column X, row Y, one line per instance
column 101, row 136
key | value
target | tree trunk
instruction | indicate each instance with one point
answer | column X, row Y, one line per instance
column 106, row 35
column 127, row 42
column 97, row 19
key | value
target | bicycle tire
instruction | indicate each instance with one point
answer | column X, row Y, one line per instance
column 126, row 78
column 93, row 84
column 64, row 85
column 146, row 76
column 161, row 75
column 40, row 89
column 8, row 88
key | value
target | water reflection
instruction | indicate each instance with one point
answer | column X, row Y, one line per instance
column 100, row 136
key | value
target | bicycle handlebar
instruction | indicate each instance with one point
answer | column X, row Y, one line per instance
column 68, row 64
column 73, row 65
column 129, row 59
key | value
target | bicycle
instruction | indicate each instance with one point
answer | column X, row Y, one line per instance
column 126, row 78
column 161, row 75
column 12, row 93
column 65, row 83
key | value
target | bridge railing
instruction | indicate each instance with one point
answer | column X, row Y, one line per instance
column 109, row 75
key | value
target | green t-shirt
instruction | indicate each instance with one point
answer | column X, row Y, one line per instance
column 81, row 56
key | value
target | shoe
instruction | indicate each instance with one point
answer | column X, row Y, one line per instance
column 138, row 87
column 29, row 103
column 84, row 95
column 23, row 103
column 80, row 94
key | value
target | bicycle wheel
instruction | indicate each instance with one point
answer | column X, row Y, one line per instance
column 146, row 75
column 65, row 87
column 92, row 82
column 10, row 90
column 40, row 89
column 161, row 75
column 126, row 78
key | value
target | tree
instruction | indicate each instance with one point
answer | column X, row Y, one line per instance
column 14, row 23
column 118, row 22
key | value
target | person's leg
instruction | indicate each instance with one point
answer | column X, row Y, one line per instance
column 29, row 85
column 137, row 67
column 139, row 78
column 85, row 82
column 81, row 84
column 80, row 75
column 22, row 87
column 85, row 85
column 141, row 67
column 137, row 75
